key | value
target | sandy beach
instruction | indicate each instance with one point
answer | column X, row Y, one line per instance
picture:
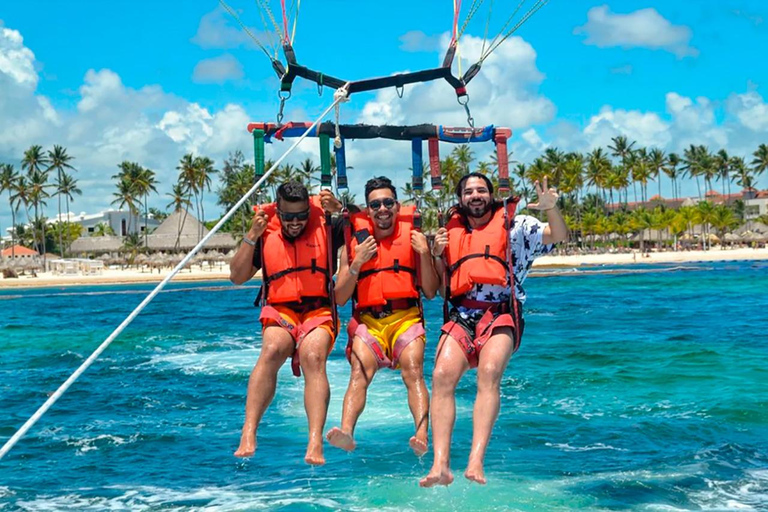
column 221, row 272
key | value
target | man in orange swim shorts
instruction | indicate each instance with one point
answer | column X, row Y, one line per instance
column 295, row 246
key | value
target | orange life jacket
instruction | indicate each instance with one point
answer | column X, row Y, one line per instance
column 295, row 269
column 391, row 274
column 478, row 256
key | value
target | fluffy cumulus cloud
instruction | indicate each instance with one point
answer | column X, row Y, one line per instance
column 505, row 93
column 737, row 123
column 218, row 70
column 645, row 28
column 111, row 122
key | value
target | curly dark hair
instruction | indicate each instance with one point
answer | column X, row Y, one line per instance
column 292, row 192
column 377, row 183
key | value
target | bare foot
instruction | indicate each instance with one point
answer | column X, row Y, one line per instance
column 340, row 439
column 475, row 473
column 437, row 476
column 314, row 454
column 419, row 446
column 247, row 445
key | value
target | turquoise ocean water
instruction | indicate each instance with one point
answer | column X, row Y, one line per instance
column 639, row 391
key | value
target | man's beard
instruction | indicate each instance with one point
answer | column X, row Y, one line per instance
column 476, row 210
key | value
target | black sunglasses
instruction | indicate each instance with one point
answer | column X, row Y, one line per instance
column 388, row 203
column 289, row 216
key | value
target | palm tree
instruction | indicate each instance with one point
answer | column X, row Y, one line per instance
column 306, row 173
column 204, row 171
column 33, row 162
column 723, row 165
column 760, row 162
column 463, row 156
column 126, row 196
column 20, row 189
column 67, row 186
column 598, row 167
column 144, row 182
column 38, row 193
column 673, row 160
column 657, row 161
column 179, row 200
column 59, row 159
column 723, row 219
column 8, row 180
column 188, row 179
column 705, row 212
column 642, row 219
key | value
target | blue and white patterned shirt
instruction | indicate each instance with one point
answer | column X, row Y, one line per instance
column 525, row 239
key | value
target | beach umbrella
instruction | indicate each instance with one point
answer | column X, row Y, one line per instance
column 731, row 237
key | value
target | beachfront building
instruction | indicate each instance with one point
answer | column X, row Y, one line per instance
column 19, row 252
column 756, row 205
column 756, row 199
column 121, row 222
column 179, row 232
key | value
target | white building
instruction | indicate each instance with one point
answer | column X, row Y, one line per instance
column 756, row 206
column 121, row 222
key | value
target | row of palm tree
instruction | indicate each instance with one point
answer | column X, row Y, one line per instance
column 602, row 177
column 31, row 189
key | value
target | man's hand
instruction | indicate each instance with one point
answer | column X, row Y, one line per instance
column 441, row 242
column 258, row 225
column 329, row 203
column 419, row 242
column 547, row 197
column 365, row 251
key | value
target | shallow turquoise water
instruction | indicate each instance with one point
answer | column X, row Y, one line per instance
column 644, row 391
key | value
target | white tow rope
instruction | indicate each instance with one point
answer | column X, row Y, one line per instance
column 338, row 97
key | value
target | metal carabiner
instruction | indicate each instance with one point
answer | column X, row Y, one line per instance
column 465, row 104
column 283, row 99
column 399, row 89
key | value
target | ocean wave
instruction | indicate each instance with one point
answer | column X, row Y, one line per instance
column 598, row 446
column 88, row 444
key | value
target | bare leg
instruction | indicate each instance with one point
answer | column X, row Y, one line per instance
column 449, row 367
column 493, row 361
column 412, row 372
column 364, row 367
column 313, row 355
column 276, row 347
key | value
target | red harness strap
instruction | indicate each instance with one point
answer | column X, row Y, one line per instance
column 484, row 328
column 297, row 332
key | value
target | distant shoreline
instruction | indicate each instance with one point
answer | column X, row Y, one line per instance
column 221, row 272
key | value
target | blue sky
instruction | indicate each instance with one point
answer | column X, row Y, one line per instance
column 150, row 81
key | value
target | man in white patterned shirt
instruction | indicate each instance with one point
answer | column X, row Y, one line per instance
column 488, row 252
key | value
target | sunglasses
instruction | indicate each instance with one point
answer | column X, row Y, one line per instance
column 289, row 216
column 388, row 203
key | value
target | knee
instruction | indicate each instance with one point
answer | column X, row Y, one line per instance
column 489, row 375
column 313, row 360
column 271, row 355
column 443, row 379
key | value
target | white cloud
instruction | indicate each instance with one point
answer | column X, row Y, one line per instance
column 217, row 31
column 217, row 70
column 647, row 128
column 16, row 60
column 645, row 28
column 111, row 123
column 750, row 109
column 418, row 41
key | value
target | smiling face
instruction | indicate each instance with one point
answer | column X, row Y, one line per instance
column 382, row 208
column 475, row 198
column 294, row 217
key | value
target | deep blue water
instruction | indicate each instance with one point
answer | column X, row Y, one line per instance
column 642, row 391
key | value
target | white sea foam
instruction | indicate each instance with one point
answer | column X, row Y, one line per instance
column 598, row 446
column 88, row 444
